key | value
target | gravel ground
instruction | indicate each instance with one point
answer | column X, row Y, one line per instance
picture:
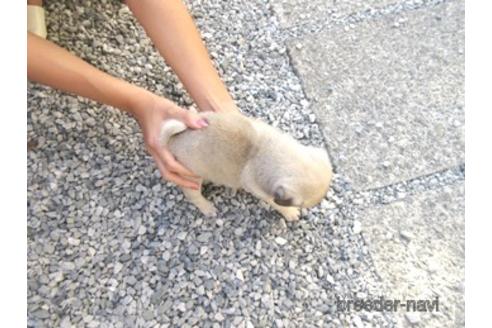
column 112, row 245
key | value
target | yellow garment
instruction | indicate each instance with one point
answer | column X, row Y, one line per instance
column 35, row 21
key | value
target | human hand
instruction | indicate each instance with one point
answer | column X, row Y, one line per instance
column 150, row 113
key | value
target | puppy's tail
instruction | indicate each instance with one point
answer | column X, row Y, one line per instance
column 169, row 128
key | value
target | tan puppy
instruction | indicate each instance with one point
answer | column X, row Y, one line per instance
column 240, row 152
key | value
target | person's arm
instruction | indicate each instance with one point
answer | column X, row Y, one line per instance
column 172, row 30
column 51, row 65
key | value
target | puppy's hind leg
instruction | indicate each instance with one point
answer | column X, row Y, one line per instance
column 205, row 206
column 169, row 128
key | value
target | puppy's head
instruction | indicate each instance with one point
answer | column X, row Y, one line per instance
column 305, row 179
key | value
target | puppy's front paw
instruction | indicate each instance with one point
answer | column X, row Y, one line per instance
column 207, row 208
column 290, row 214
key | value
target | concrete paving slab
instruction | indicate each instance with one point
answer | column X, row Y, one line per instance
column 298, row 12
column 418, row 249
column 389, row 93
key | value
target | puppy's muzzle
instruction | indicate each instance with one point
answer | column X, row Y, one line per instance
column 283, row 202
column 281, row 198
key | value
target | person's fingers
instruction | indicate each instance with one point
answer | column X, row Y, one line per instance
column 174, row 166
column 195, row 121
column 181, row 181
column 173, row 177
column 168, row 160
column 191, row 119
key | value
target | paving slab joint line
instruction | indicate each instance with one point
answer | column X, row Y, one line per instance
column 433, row 181
column 304, row 94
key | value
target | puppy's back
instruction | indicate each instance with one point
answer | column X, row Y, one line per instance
column 218, row 152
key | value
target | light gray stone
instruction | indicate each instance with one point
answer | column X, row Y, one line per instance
column 148, row 315
column 219, row 317
column 41, row 314
column 182, row 235
column 281, row 241
column 73, row 241
column 413, row 317
column 142, row 230
column 65, row 323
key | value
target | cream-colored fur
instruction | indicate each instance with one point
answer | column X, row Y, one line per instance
column 240, row 152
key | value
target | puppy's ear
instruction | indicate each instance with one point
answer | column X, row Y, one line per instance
column 281, row 198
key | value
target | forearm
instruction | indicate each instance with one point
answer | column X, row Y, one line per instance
column 171, row 28
column 54, row 66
